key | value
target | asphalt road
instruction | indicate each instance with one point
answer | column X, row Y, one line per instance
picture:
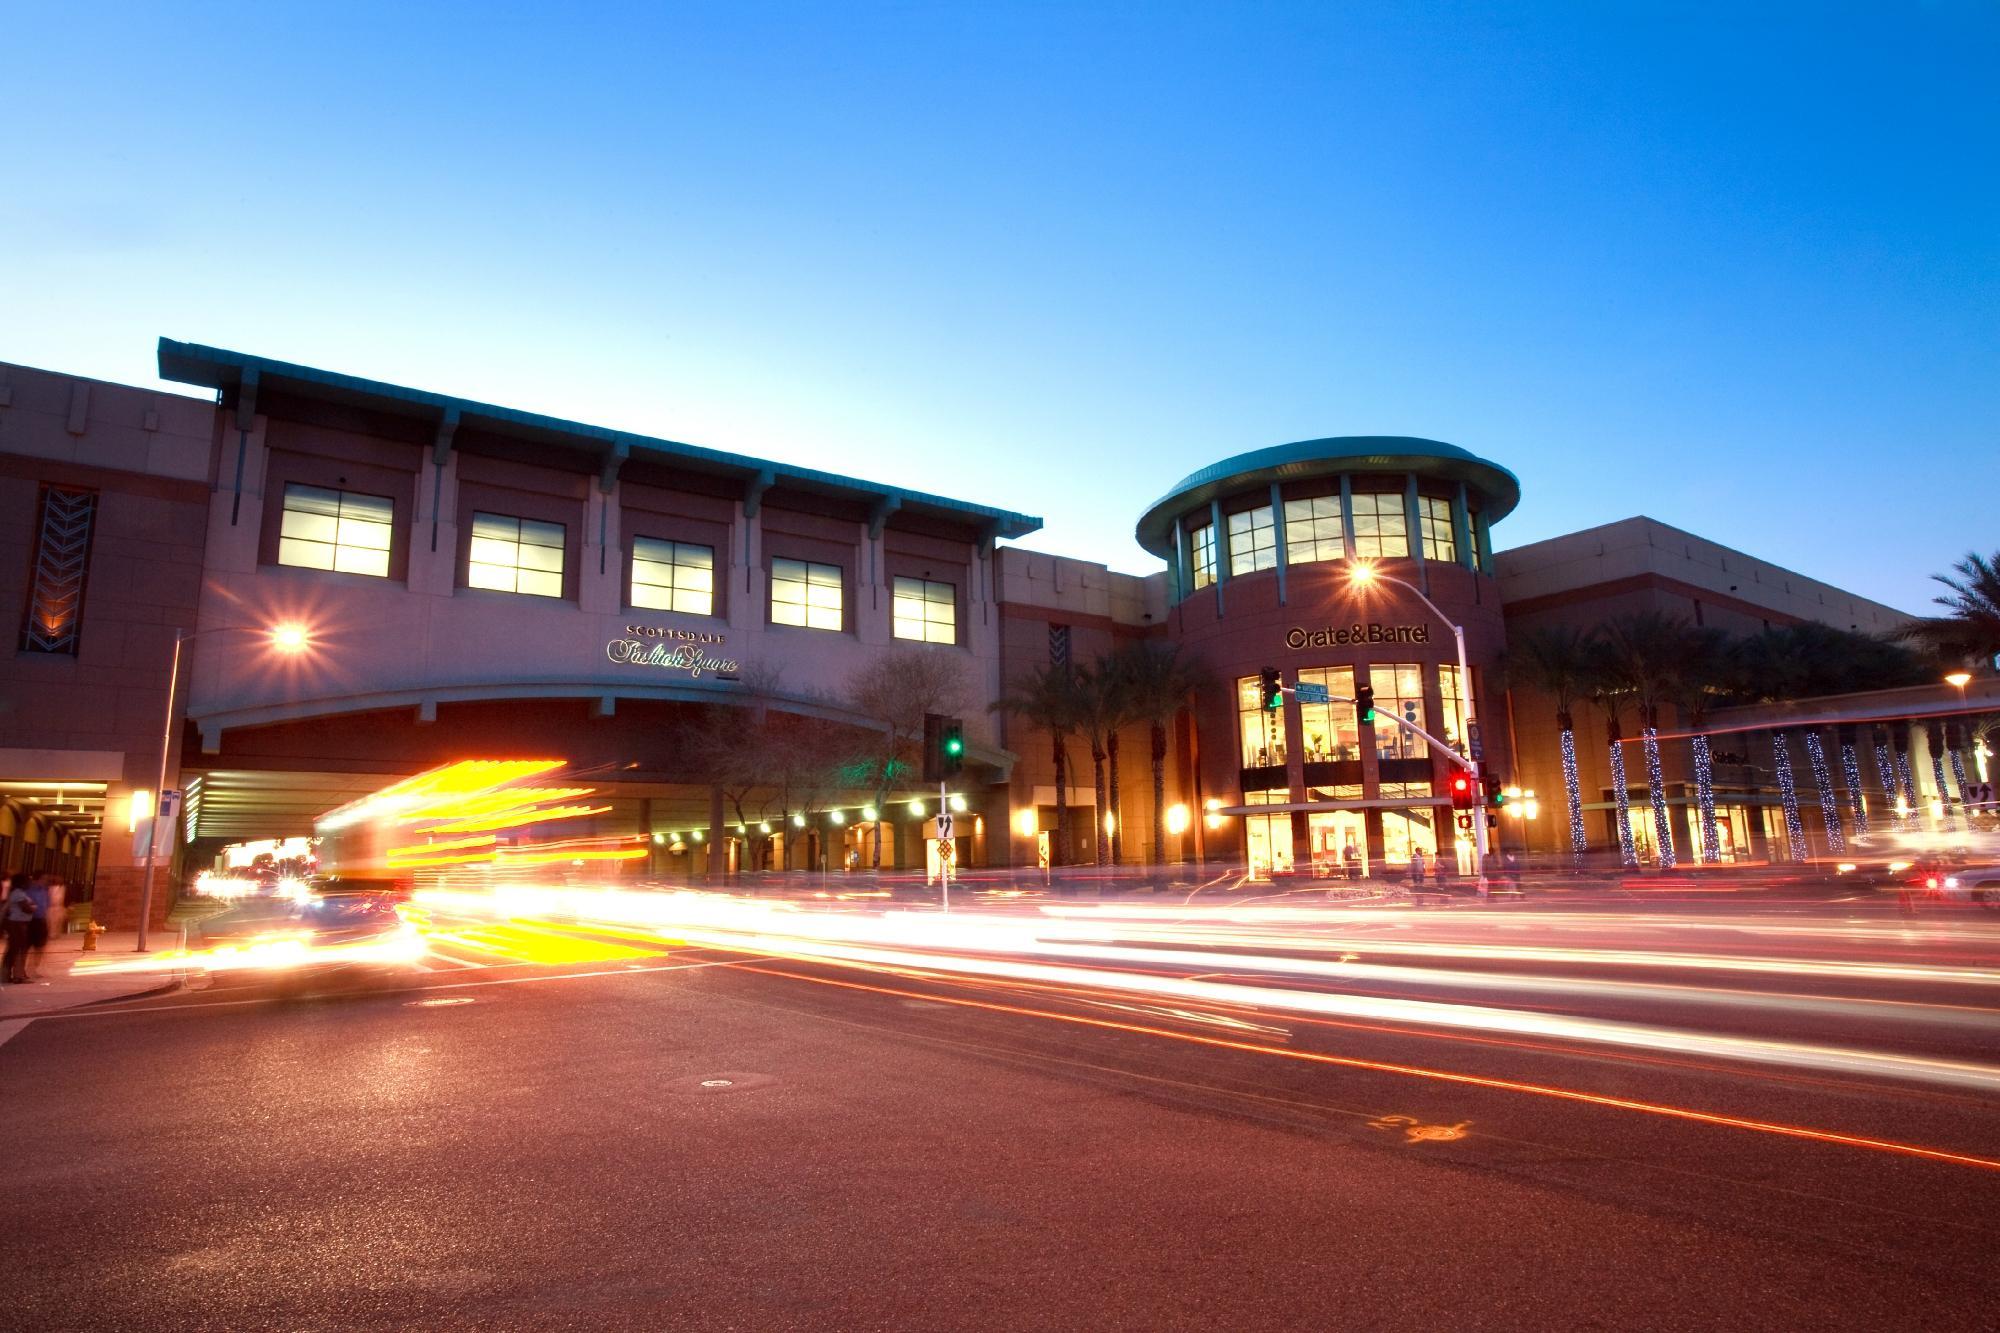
column 634, row 1132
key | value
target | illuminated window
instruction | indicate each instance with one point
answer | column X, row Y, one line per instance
column 1313, row 530
column 1330, row 731
column 1253, row 541
column 62, row 559
column 925, row 611
column 1202, row 539
column 1399, row 690
column 803, row 593
column 673, row 576
column 1267, row 839
column 515, row 555
column 1381, row 529
column 337, row 530
column 1263, row 729
column 1453, row 699
column 1434, row 516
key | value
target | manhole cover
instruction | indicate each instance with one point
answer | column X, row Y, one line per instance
column 719, row 1085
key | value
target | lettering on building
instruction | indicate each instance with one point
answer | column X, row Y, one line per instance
column 671, row 650
column 1341, row 636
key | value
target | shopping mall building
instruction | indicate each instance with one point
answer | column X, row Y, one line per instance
column 473, row 580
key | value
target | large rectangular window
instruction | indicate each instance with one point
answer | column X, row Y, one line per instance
column 515, row 555
column 1440, row 542
column 925, row 611
column 1202, row 543
column 1381, row 528
column 673, row 576
column 1313, row 530
column 1399, row 690
column 806, row 594
column 1253, row 541
column 1262, row 729
column 338, row 530
column 1330, row 731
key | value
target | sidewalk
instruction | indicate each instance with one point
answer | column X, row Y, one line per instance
column 71, row 977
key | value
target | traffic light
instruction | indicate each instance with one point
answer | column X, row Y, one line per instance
column 1273, row 692
column 944, row 747
column 1462, row 797
column 951, row 748
column 1364, row 704
column 1496, row 791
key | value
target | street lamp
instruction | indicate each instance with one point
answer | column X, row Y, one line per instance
column 289, row 638
column 1364, row 575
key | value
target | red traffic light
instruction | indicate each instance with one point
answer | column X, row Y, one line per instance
column 1461, row 792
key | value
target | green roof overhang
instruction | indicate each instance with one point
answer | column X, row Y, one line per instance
column 212, row 367
column 1498, row 488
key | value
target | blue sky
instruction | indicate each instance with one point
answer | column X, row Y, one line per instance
column 1735, row 267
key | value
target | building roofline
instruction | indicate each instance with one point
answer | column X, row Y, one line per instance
column 219, row 369
column 1326, row 457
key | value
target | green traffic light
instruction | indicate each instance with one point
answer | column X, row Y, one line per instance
column 954, row 746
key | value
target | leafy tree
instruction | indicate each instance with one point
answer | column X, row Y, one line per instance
column 893, row 692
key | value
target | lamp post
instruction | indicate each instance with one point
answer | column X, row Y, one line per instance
column 286, row 639
column 1364, row 575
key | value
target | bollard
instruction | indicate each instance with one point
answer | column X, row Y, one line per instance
column 90, row 934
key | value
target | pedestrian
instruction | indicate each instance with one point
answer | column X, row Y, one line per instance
column 17, row 910
column 1350, row 858
column 42, row 890
column 1416, row 869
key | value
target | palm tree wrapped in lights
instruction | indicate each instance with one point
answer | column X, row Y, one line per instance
column 1885, row 769
column 1850, row 769
column 1556, row 661
column 1934, row 742
column 1703, row 670
column 1829, row 803
column 1607, row 691
column 1645, row 650
column 1788, row 794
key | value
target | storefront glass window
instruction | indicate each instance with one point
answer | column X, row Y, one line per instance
column 1253, row 541
column 1453, row 698
column 1267, row 839
column 1410, row 829
column 1381, row 528
column 515, row 555
column 337, row 530
column 1440, row 542
column 926, row 611
column 1263, row 729
column 805, row 594
column 1339, row 841
column 1202, row 542
column 1313, row 530
column 1330, row 731
column 1399, row 689
column 673, row 576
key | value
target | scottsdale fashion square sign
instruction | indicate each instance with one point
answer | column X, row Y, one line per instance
column 671, row 650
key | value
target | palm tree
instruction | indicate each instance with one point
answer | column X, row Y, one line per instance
column 1099, row 710
column 1646, row 650
column 1608, row 689
column 1158, row 680
column 1971, row 628
column 1556, row 661
column 1702, row 674
column 1046, row 698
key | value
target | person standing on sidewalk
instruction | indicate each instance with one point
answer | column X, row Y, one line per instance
column 42, row 889
column 17, row 913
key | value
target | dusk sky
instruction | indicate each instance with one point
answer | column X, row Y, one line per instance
column 1741, row 274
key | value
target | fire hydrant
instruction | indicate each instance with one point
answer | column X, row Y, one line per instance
column 90, row 933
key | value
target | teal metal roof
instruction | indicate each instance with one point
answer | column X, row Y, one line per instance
column 215, row 368
column 1498, row 487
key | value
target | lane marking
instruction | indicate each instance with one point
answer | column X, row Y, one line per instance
column 13, row 1027
column 1438, row 1075
column 408, row 990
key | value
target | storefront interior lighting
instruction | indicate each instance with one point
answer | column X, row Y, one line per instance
column 141, row 807
column 1027, row 821
column 1177, row 818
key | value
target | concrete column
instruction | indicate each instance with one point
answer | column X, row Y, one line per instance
column 1414, row 523
column 1221, row 551
column 1461, row 530
column 599, row 582
column 1278, row 534
column 1347, row 520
